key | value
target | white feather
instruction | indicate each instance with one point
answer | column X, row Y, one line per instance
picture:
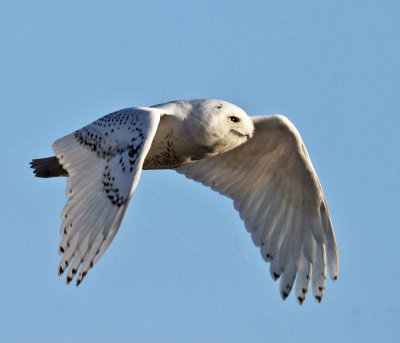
column 101, row 182
column 276, row 190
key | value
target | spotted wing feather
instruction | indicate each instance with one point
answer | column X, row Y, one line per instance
column 278, row 195
column 104, row 161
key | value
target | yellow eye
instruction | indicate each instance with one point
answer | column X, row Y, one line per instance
column 233, row 119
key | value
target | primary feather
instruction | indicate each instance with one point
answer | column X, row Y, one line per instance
column 104, row 161
column 278, row 195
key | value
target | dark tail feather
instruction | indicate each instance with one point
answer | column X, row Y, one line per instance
column 48, row 167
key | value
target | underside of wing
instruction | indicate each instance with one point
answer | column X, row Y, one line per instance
column 104, row 161
column 278, row 195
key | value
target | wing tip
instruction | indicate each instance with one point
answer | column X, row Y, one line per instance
column 300, row 299
column 284, row 295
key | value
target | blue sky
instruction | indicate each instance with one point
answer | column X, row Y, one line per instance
column 183, row 268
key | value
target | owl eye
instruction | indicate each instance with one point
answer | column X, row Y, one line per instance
column 233, row 119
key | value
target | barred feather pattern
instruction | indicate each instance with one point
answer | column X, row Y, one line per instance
column 104, row 161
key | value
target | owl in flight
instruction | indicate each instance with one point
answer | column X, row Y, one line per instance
column 260, row 162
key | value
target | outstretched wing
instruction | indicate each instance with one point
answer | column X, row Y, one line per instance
column 279, row 197
column 104, row 161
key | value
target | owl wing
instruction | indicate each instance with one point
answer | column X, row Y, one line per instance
column 104, row 161
column 278, row 195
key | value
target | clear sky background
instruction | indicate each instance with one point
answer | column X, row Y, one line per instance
column 183, row 268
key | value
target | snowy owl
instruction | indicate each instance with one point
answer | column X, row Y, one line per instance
column 259, row 162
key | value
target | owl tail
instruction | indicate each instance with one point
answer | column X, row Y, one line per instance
column 47, row 167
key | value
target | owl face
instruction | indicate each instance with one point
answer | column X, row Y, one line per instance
column 218, row 124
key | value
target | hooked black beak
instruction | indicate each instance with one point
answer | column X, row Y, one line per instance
column 240, row 134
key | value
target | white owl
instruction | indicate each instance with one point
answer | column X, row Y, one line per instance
column 260, row 163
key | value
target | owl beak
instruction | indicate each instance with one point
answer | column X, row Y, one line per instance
column 239, row 133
